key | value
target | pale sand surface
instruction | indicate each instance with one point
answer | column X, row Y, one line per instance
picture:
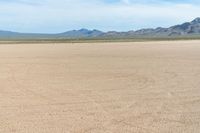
column 140, row 87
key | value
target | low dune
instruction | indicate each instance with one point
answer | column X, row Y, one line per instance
column 130, row 87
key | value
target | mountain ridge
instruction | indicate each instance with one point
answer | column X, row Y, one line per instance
column 184, row 29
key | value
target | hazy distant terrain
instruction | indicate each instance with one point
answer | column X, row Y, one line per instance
column 185, row 30
column 135, row 87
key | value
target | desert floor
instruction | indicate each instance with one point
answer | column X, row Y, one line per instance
column 133, row 87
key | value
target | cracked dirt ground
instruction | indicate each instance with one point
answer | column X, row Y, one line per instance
column 135, row 87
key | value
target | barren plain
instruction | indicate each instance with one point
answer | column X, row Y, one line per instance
column 130, row 87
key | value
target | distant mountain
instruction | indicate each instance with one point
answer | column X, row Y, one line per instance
column 82, row 33
column 186, row 29
column 16, row 35
column 7, row 33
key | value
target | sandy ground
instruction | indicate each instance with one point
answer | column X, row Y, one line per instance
column 145, row 87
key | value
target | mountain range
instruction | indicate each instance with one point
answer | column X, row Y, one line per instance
column 186, row 29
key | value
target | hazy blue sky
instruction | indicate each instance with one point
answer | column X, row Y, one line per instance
column 121, row 15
